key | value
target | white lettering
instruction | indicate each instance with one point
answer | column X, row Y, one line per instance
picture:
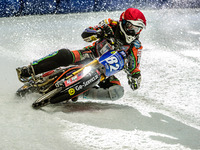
column 86, row 83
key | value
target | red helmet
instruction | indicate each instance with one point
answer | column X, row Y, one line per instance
column 132, row 21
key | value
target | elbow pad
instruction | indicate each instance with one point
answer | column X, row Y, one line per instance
column 89, row 35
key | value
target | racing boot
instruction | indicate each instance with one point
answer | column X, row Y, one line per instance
column 24, row 73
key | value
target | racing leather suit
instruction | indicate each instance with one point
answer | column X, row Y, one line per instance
column 109, row 89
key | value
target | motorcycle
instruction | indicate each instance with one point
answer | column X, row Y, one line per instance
column 65, row 83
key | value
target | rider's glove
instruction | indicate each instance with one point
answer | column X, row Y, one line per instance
column 107, row 31
column 134, row 81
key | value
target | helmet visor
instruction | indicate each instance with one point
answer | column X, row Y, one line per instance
column 132, row 29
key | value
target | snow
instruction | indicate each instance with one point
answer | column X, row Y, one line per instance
column 163, row 114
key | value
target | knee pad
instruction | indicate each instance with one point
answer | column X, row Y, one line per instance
column 113, row 93
column 116, row 92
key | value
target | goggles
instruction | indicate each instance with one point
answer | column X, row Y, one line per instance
column 132, row 29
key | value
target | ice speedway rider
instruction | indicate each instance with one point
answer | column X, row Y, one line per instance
column 125, row 33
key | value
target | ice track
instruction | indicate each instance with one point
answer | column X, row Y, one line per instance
column 163, row 114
